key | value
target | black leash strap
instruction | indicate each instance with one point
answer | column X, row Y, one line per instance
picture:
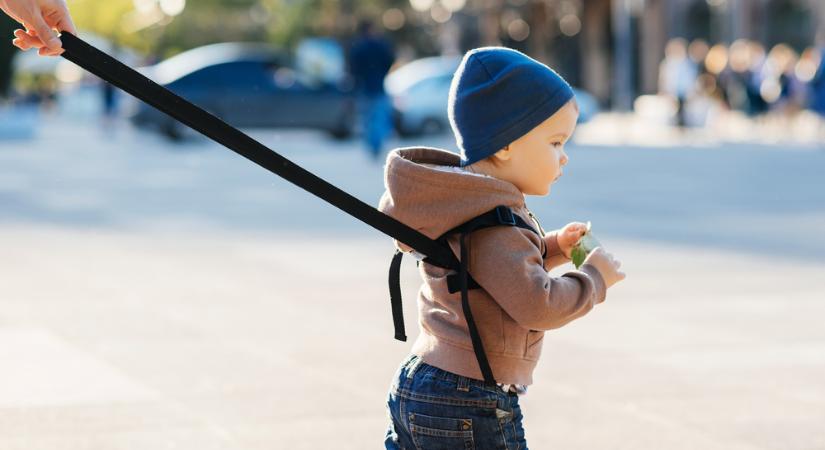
column 141, row 87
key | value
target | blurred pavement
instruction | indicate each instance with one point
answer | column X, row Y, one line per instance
column 155, row 295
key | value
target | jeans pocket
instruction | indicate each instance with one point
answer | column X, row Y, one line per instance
column 512, row 430
column 441, row 433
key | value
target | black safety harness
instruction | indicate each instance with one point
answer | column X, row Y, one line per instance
column 461, row 281
column 438, row 251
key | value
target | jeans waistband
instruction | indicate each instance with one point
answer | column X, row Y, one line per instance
column 415, row 364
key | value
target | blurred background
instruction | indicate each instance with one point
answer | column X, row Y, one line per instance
column 158, row 291
column 733, row 69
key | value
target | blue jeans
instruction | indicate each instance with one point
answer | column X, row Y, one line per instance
column 432, row 409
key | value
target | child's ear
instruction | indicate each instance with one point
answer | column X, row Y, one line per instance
column 504, row 154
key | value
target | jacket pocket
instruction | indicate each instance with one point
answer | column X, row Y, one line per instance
column 534, row 343
column 441, row 433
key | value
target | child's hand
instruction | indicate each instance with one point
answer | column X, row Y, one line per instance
column 607, row 265
column 569, row 235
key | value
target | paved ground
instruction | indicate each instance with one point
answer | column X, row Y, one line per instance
column 157, row 296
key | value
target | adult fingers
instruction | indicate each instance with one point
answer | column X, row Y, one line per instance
column 33, row 41
column 19, row 44
column 25, row 41
column 65, row 23
column 45, row 33
column 46, row 51
column 60, row 18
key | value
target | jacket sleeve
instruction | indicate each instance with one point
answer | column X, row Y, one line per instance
column 507, row 263
column 554, row 256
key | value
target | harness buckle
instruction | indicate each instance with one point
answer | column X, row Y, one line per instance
column 505, row 215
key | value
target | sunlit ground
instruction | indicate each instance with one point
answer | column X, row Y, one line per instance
column 155, row 295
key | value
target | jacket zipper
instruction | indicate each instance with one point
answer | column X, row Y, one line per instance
column 535, row 220
column 541, row 230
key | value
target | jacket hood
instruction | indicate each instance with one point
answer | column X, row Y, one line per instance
column 434, row 200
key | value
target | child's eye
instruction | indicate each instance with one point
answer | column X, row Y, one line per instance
column 556, row 144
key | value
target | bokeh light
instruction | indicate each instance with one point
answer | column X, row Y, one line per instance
column 570, row 25
column 393, row 19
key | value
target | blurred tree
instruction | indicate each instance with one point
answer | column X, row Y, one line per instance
column 7, row 52
column 281, row 22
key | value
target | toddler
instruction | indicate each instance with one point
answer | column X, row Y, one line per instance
column 511, row 116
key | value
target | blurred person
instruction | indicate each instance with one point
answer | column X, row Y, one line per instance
column 817, row 83
column 755, row 76
column 677, row 75
column 505, row 155
column 805, row 71
column 370, row 59
column 706, row 104
column 734, row 78
column 698, row 51
column 109, row 97
column 109, row 94
column 716, row 63
column 698, row 102
column 39, row 17
column 781, row 88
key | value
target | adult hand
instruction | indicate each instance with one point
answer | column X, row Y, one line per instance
column 39, row 17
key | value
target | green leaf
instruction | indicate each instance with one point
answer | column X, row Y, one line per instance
column 583, row 248
column 578, row 255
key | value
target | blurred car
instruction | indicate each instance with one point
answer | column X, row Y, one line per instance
column 248, row 85
column 322, row 58
column 419, row 91
column 588, row 105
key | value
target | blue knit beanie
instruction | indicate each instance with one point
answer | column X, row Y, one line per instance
column 498, row 95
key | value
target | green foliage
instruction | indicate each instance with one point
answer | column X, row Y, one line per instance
column 281, row 22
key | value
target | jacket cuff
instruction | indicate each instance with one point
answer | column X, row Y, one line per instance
column 598, row 281
column 554, row 256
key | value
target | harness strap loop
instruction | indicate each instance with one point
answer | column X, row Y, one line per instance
column 395, row 296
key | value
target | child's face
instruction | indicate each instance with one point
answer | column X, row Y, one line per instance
column 534, row 161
